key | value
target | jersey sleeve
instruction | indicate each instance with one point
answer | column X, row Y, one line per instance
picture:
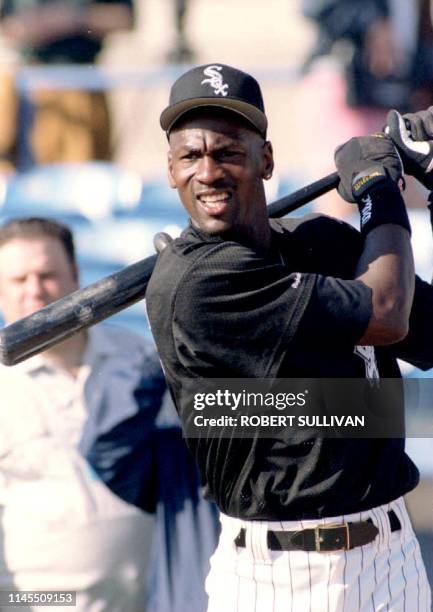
column 235, row 313
column 338, row 312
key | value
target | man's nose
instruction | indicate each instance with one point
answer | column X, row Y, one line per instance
column 208, row 170
column 34, row 285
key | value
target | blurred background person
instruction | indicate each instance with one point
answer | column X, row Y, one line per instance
column 61, row 527
column 85, row 414
column 67, row 124
column 369, row 56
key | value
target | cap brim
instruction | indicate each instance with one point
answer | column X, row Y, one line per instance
column 173, row 113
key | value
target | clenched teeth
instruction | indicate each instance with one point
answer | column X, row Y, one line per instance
column 214, row 198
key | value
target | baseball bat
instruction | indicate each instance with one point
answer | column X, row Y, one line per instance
column 102, row 299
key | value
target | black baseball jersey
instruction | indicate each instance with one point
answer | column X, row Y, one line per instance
column 219, row 309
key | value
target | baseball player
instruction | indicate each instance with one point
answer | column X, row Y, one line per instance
column 308, row 522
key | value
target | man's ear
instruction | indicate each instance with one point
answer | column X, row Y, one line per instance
column 268, row 160
column 171, row 180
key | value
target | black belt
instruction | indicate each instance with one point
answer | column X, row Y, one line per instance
column 325, row 538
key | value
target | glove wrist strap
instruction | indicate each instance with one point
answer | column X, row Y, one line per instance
column 381, row 204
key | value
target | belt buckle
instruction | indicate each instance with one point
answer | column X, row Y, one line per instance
column 318, row 539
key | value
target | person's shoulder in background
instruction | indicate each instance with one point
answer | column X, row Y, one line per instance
column 124, row 344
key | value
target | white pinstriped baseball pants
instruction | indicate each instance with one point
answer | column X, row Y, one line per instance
column 387, row 574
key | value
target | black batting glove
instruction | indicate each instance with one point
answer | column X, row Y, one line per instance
column 365, row 161
column 412, row 134
column 370, row 169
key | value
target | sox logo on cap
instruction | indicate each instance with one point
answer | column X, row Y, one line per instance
column 215, row 80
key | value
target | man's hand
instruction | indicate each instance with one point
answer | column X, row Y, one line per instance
column 363, row 162
column 412, row 134
column 161, row 240
column 370, row 169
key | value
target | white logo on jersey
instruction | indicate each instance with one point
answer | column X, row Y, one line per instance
column 368, row 355
column 366, row 211
column 297, row 280
column 215, row 80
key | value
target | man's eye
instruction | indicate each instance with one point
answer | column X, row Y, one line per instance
column 229, row 154
column 190, row 156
